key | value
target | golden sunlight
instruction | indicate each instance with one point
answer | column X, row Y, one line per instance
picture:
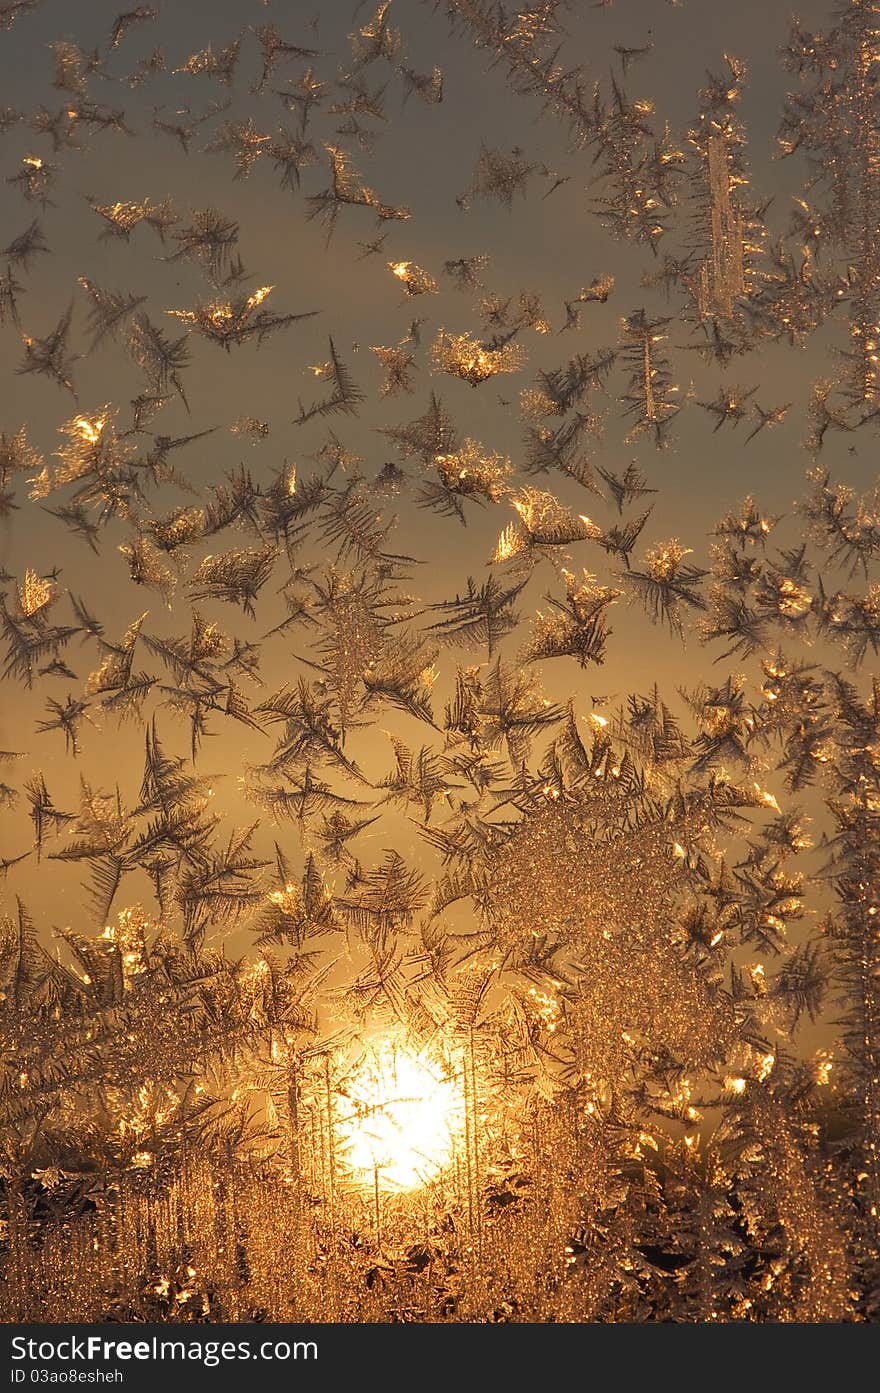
column 399, row 1115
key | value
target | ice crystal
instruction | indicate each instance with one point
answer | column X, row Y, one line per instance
column 460, row 820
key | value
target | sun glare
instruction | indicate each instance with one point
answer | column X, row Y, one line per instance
column 398, row 1117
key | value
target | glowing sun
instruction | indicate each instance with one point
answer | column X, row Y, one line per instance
column 398, row 1117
